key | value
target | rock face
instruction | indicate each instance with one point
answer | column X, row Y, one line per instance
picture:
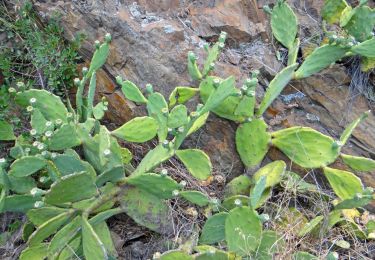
column 151, row 40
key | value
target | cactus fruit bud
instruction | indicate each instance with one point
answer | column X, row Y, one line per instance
column 36, row 192
column 48, row 133
column 108, row 38
column 199, row 107
column 369, row 189
column 192, row 56
column 335, row 255
column 69, row 115
column 118, row 80
column 264, row 217
column 58, row 121
column 156, row 256
column 27, row 150
column 206, row 47
column 255, row 74
column 48, row 123
column 20, row 84
column 77, row 82
column 40, row 146
column 221, row 45
column 38, row 204
column 216, row 83
column 183, row 184
column 32, row 132
column 44, row 153
column 43, row 179
column 35, row 144
column 164, row 172
column 149, row 89
column 336, row 145
column 32, row 100
column 358, row 195
column 244, row 88
column 107, row 152
column 250, row 93
column 193, row 114
column 181, row 129
column 212, row 66
column 53, row 155
column 238, row 203
column 84, row 71
column 165, row 144
column 97, row 44
column 2, row 160
column 29, row 109
column 11, row 90
column 164, row 110
column 175, row 193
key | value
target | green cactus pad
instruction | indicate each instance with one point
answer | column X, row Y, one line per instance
column 199, row 122
column 153, row 158
column 300, row 255
column 93, row 248
column 6, row 131
column 26, row 166
column 195, row 197
column 332, row 10
column 352, row 228
column 238, row 186
column 252, row 142
column 50, row 105
column 367, row 64
column 257, row 191
column 345, row 184
column 180, row 95
column 68, row 164
column 161, row 187
column 361, row 23
column 228, row 203
column 139, row 129
column 360, row 200
column 49, row 227
column 73, row 248
column 306, row 146
column 350, row 128
column 111, row 175
column 268, row 245
column 216, row 97
column 245, row 107
column 275, row 87
column 319, row 59
column 284, row 24
column 37, row 252
column 196, row 161
column 358, row 163
column 175, row 255
column 64, row 138
column 216, row 255
column 102, row 230
column 38, row 122
column 63, row 236
column 99, row 58
column 131, row 91
column 193, row 69
column 99, row 111
column 178, row 117
column 293, row 52
column 147, row 210
column 22, row 184
column 227, row 106
column 273, row 171
column 243, row 230
column 65, row 189
column 19, row 203
column 41, row 215
column 346, row 14
column 214, row 229
column 156, row 103
column 366, row 48
column 308, row 227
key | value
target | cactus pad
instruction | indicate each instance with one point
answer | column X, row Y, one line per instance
column 64, row 138
column 93, row 247
column 193, row 69
column 273, row 171
column 42, row 215
column 229, row 203
column 257, row 191
column 131, row 91
column 252, row 142
column 26, row 166
column 180, row 95
column 284, row 24
column 319, row 59
column 214, row 229
column 359, row 163
column 293, row 52
column 366, row 48
column 19, row 203
column 332, row 10
column 350, row 128
column 178, row 117
column 161, row 187
column 195, row 197
column 38, row 122
column 99, row 58
column 198, row 123
column 155, row 106
column 238, row 186
column 36, row 252
column 308, row 227
column 361, row 23
column 196, row 161
column 345, row 184
column 147, row 210
column 139, row 129
column 306, row 146
column 175, row 255
column 243, row 230
column 153, row 158
column 6, row 131
column 268, row 245
column 50, row 105
column 65, row 189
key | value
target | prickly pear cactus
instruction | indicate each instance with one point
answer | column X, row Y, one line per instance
column 361, row 23
column 252, row 142
column 284, row 24
column 332, row 10
column 306, row 147
column 358, row 163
